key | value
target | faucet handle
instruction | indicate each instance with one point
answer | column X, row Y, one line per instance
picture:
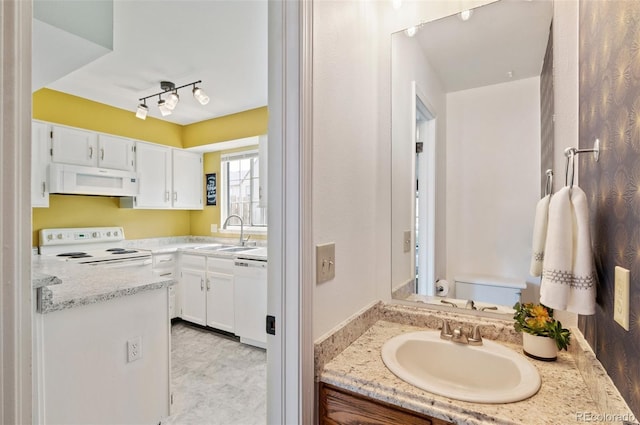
column 476, row 337
column 445, row 332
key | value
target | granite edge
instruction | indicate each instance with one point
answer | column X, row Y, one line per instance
column 602, row 390
column 47, row 305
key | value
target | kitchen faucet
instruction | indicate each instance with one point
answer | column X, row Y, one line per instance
column 224, row 226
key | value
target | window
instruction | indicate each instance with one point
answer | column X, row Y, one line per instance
column 241, row 189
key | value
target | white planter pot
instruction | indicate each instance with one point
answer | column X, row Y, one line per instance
column 539, row 347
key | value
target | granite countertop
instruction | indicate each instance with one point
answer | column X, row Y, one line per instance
column 360, row 369
column 63, row 285
column 190, row 243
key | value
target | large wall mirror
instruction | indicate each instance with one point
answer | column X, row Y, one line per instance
column 472, row 133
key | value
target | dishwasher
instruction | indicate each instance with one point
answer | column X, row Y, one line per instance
column 250, row 295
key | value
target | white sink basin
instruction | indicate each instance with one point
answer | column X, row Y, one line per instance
column 490, row 373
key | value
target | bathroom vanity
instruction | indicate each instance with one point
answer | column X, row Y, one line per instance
column 354, row 381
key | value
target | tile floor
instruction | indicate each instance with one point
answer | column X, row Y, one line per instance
column 216, row 380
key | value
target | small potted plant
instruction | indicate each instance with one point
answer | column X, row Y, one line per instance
column 542, row 335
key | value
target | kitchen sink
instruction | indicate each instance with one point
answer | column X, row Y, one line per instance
column 238, row 248
column 490, row 373
column 214, row 247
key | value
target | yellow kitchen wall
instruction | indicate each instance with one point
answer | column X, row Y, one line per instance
column 230, row 127
column 54, row 106
column 80, row 211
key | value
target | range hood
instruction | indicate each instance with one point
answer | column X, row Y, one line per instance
column 79, row 180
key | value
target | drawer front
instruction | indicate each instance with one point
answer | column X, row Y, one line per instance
column 193, row 261
column 164, row 261
column 219, row 264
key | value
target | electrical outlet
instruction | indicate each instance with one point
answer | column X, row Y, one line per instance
column 134, row 349
column 621, row 297
column 325, row 262
column 214, row 228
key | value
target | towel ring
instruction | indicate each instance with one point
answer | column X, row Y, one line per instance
column 548, row 187
column 571, row 153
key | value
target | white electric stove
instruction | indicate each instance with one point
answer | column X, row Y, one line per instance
column 97, row 246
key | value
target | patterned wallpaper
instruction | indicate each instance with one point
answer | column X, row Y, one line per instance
column 610, row 110
column 546, row 113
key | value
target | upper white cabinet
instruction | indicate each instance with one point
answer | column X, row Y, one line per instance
column 116, row 153
column 169, row 178
column 40, row 159
column 153, row 164
column 82, row 147
column 74, row 146
column 187, row 180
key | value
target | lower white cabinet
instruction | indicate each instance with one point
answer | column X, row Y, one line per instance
column 207, row 291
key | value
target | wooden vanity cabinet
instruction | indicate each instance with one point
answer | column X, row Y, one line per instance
column 341, row 407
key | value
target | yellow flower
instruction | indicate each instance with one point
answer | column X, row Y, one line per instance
column 540, row 313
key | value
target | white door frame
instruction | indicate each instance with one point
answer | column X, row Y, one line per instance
column 15, row 222
column 290, row 386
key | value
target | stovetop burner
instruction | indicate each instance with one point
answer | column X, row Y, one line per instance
column 124, row 251
column 115, row 249
column 71, row 254
column 80, row 256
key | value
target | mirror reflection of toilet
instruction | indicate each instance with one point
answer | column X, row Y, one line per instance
column 489, row 289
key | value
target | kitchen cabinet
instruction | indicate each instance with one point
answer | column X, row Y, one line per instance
column 207, row 291
column 87, row 148
column 220, row 292
column 153, row 165
column 187, row 179
column 338, row 406
column 165, row 264
column 169, row 178
column 40, row 159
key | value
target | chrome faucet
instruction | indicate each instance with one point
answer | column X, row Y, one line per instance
column 457, row 335
column 470, row 305
column 224, row 226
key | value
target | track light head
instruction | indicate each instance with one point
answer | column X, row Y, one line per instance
column 162, row 106
column 172, row 100
column 142, row 111
column 200, row 95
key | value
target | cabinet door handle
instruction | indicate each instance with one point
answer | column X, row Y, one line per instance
column 90, row 152
column 44, row 189
column 208, row 285
column 166, row 261
column 201, row 284
column 175, row 196
column 102, row 154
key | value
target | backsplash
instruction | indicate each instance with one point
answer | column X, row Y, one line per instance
column 610, row 110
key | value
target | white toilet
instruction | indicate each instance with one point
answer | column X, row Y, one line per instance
column 489, row 289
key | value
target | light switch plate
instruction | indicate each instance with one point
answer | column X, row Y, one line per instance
column 325, row 262
column 406, row 241
column 621, row 297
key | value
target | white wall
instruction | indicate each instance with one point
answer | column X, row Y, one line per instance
column 410, row 64
column 493, row 163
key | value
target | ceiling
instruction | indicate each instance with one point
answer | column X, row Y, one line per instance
column 221, row 42
column 501, row 37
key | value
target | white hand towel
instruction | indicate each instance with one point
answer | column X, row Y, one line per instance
column 539, row 236
column 582, row 297
column 567, row 275
column 557, row 266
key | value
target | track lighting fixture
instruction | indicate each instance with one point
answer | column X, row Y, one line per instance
column 166, row 106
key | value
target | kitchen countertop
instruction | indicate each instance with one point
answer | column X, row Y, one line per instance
column 63, row 285
column 360, row 369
